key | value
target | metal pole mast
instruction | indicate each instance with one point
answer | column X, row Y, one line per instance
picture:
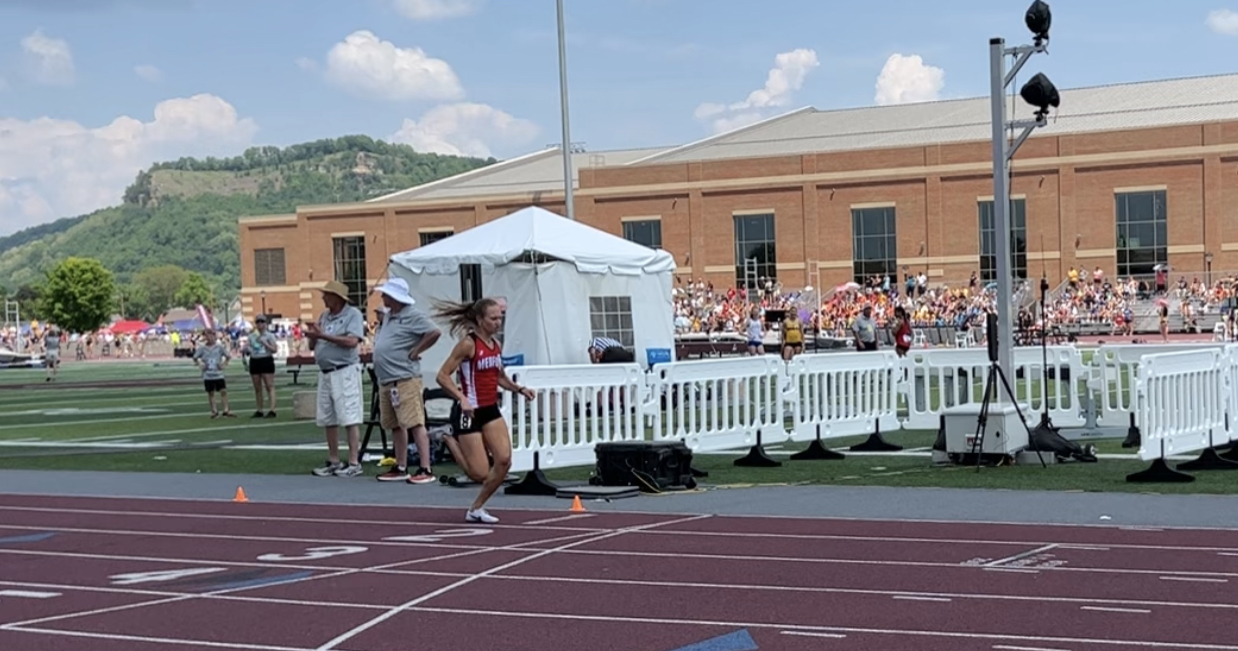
column 1003, row 152
column 1001, row 210
column 568, row 193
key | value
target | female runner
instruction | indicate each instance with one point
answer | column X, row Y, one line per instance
column 480, row 431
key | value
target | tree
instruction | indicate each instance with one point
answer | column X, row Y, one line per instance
column 194, row 291
column 28, row 299
column 161, row 284
column 79, row 295
column 135, row 303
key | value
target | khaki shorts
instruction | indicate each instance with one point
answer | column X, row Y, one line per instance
column 408, row 411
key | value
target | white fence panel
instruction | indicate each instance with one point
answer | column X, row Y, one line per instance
column 844, row 394
column 576, row 408
column 1114, row 368
column 1035, row 387
column 718, row 404
column 1181, row 402
column 958, row 377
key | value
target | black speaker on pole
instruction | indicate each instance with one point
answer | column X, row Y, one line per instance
column 990, row 331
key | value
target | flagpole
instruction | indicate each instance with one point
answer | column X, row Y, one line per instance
column 568, row 194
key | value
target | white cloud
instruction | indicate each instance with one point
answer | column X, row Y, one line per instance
column 1223, row 21
column 149, row 73
column 52, row 168
column 436, row 9
column 906, row 79
column 370, row 67
column 465, row 129
column 48, row 60
column 307, row 64
column 784, row 79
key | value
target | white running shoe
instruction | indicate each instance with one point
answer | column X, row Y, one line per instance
column 480, row 515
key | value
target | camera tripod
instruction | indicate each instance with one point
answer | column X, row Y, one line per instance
column 991, row 390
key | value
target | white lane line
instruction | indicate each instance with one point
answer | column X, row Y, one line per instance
column 1196, row 579
column 902, row 632
column 836, row 636
column 1107, row 609
column 239, row 646
column 907, row 597
column 565, row 518
column 1017, row 557
column 186, row 597
column 1004, row 647
column 163, row 515
column 412, row 603
column 28, row 594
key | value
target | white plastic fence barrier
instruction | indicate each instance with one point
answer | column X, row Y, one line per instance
column 844, row 394
column 958, row 375
column 1114, row 368
column 1182, row 400
column 576, row 408
column 718, row 404
column 726, row 404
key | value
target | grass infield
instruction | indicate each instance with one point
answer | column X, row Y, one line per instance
column 143, row 416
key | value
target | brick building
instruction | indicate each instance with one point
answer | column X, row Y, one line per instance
column 1123, row 178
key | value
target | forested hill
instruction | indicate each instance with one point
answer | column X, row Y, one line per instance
column 185, row 212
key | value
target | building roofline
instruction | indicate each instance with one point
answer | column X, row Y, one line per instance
column 719, row 136
column 465, row 176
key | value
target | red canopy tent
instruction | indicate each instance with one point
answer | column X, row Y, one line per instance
column 127, row 327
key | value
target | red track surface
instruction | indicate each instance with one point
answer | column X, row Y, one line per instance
column 282, row 577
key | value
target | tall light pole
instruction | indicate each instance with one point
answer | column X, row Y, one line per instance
column 1040, row 93
column 568, row 194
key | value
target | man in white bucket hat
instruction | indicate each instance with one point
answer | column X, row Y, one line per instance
column 404, row 335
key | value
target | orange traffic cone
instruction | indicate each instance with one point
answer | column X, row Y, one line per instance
column 577, row 507
column 240, row 495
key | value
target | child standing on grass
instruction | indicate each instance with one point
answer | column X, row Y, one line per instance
column 212, row 358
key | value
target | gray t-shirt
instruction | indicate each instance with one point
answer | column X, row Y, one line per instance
column 400, row 333
column 212, row 358
column 348, row 323
column 51, row 341
column 256, row 349
column 865, row 329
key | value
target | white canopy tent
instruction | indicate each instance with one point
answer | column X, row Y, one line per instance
column 563, row 282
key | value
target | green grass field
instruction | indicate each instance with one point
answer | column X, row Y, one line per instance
column 165, row 427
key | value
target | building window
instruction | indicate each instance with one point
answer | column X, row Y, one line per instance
column 1018, row 240
column 874, row 241
column 611, row 317
column 269, row 267
column 433, row 236
column 755, row 254
column 470, row 282
column 350, row 268
column 1143, row 240
column 646, row 232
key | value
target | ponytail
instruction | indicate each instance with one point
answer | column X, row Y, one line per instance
column 462, row 317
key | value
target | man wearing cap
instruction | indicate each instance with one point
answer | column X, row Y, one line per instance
column 405, row 333
column 335, row 341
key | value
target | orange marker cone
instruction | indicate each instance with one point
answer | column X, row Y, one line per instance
column 240, row 495
column 577, row 507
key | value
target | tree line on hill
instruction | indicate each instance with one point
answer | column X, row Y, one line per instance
column 82, row 295
column 178, row 220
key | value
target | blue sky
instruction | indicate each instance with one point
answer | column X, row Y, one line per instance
column 82, row 79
